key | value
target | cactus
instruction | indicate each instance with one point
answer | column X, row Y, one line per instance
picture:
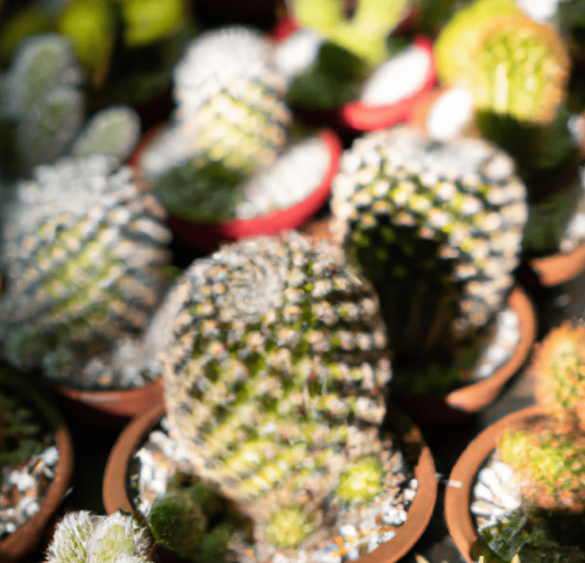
column 83, row 258
column 361, row 27
column 114, row 131
column 82, row 537
column 274, row 382
column 513, row 65
column 437, row 228
column 231, row 121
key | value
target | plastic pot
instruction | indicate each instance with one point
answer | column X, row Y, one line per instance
column 115, row 486
column 208, row 237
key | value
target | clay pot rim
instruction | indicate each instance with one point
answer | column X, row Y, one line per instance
column 360, row 116
column 559, row 268
column 115, row 492
column 476, row 395
column 117, row 402
column 207, row 237
column 28, row 536
column 460, row 484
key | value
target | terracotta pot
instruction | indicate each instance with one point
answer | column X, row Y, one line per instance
column 208, row 237
column 110, row 409
column 27, row 537
column 462, row 478
column 115, row 491
column 459, row 404
column 559, row 268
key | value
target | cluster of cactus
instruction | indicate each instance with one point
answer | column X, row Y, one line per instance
column 82, row 537
column 437, row 228
column 274, row 382
column 83, row 257
column 550, row 461
column 231, row 120
column 42, row 100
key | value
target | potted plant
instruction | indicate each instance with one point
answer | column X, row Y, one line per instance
column 274, row 386
column 536, row 510
column 36, row 457
column 517, row 72
column 226, row 167
column 437, row 228
column 84, row 260
column 339, row 61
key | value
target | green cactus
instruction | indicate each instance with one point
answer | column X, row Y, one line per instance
column 83, row 258
column 437, row 229
column 274, row 381
column 82, row 537
column 231, row 121
column 361, row 27
column 114, row 131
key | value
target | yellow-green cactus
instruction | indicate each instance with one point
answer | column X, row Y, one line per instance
column 512, row 65
column 361, row 29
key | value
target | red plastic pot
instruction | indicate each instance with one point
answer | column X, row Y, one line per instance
column 115, row 486
column 208, row 237
column 359, row 116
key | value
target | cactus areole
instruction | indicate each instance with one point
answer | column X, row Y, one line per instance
column 436, row 227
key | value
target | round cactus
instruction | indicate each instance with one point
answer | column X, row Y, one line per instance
column 437, row 227
column 83, row 258
column 82, row 537
column 559, row 365
column 230, row 122
column 274, row 381
column 513, row 65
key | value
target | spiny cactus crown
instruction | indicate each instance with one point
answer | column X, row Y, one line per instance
column 437, row 228
column 82, row 537
column 274, row 377
column 559, row 366
column 230, row 122
column 83, row 258
column 513, row 65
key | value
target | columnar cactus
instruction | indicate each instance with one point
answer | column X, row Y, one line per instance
column 231, row 121
column 274, row 381
column 82, row 537
column 437, row 229
column 83, row 256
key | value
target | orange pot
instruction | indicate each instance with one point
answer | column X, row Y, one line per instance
column 115, row 492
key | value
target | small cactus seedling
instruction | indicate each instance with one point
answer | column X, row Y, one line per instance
column 437, row 228
column 231, row 121
column 362, row 27
column 274, row 382
column 83, row 257
column 82, row 537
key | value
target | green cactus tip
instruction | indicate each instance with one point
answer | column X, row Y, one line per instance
column 361, row 481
